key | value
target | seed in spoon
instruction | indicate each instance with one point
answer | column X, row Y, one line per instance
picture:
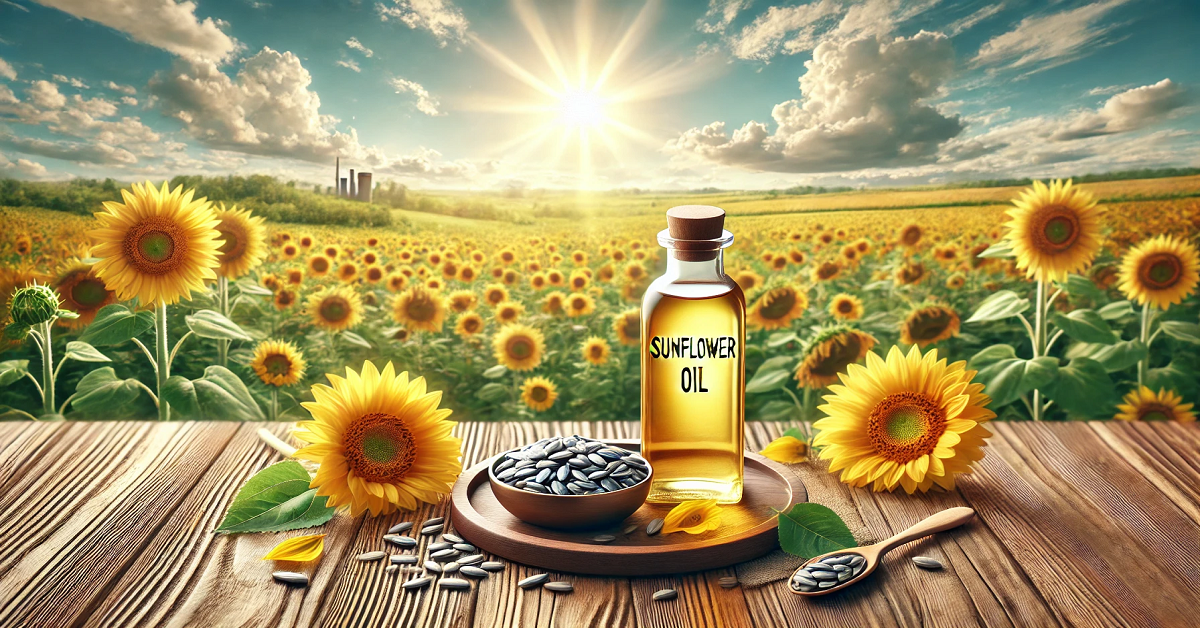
column 925, row 562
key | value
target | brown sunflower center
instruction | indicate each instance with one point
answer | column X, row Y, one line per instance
column 633, row 327
column 277, row 364
column 335, row 309
column 519, row 347
column 578, row 303
column 928, row 324
column 285, row 297
column 233, row 245
column 1056, row 228
column 843, row 351
column 539, row 393
column 1155, row 412
column 471, row 325
column 827, row 270
column 911, row 235
column 320, row 264
column 421, row 308
column 905, row 426
column 1160, row 271
column 155, row 247
column 380, row 447
column 779, row 305
column 596, row 351
column 845, row 306
column 89, row 292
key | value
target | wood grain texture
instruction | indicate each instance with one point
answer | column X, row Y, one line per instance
column 109, row 524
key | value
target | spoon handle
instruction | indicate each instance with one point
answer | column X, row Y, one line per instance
column 944, row 520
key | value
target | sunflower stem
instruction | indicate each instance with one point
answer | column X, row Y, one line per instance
column 223, row 303
column 1039, row 342
column 162, row 359
column 47, row 368
column 1144, row 336
column 274, row 403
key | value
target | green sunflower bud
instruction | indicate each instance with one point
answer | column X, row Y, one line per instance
column 34, row 305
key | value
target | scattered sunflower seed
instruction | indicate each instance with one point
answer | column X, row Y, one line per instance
column 402, row 541
column 630, row 528
column 368, row 557
column 433, row 522
column 450, row 567
column 533, row 581
column 465, row 548
column 559, row 587
column 392, row 568
column 444, row 555
column 290, row 577
column 728, row 582
column 604, row 538
column 654, row 527
column 663, row 595
column 452, row 538
column 925, row 562
column 417, row 583
column 403, row 559
column 430, row 530
column 432, row 566
column 492, row 565
column 454, row 583
column 548, row 465
column 403, row 526
column 437, row 547
column 473, row 571
column 471, row 560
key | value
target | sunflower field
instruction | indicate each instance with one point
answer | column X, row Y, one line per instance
column 1070, row 302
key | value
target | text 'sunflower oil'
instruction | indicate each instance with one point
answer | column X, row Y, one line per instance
column 693, row 364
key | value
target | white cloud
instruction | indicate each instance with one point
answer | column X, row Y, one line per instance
column 79, row 152
column 7, row 97
column 128, row 90
column 863, row 106
column 1042, row 42
column 1127, row 111
column 129, row 100
column 440, row 17
column 350, row 64
column 166, row 24
column 968, row 22
column 7, row 71
column 45, row 95
column 720, row 15
column 787, row 29
column 97, row 107
column 72, row 81
column 426, row 103
column 21, row 167
column 354, row 44
column 1108, row 90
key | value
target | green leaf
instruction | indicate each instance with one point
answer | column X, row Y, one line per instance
column 1115, row 357
column 781, row 338
column 1006, row 377
column 181, row 394
column 355, row 339
column 1182, row 331
column 66, row 314
column 1083, row 388
column 766, row 382
column 1080, row 286
column 83, row 352
column 102, row 391
column 1172, row 377
column 249, row 287
column 221, row 395
column 776, row 410
column 796, row 434
column 1116, row 310
column 1085, row 326
column 1001, row 305
column 211, row 324
column 999, row 250
column 115, row 324
column 496, row 371
column 16, row 331
column 276, row 499
column 809, row 530
column 13, row 370
column 493, row 392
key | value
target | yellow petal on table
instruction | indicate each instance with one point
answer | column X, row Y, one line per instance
column 301, row 549
column 694, row 517
column 787, row 449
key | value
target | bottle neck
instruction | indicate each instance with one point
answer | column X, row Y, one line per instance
column 704, row 270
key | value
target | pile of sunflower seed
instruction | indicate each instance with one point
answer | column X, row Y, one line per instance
column 571, row 465
column 828, row 572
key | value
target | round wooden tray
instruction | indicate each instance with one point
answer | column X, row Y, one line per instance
column 747, row 529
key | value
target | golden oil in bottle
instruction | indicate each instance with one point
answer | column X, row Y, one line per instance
column 693, row 365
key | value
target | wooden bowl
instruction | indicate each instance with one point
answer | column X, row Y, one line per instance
column 569, row 512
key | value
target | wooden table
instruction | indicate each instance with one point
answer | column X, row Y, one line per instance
column 109, row 524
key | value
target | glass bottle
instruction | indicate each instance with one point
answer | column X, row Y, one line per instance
column 693, row 366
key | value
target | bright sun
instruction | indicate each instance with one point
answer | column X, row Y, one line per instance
column 581, row 108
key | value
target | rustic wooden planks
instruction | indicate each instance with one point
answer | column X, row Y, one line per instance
column 109, row 524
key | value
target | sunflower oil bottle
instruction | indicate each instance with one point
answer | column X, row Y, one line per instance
column 693, row 364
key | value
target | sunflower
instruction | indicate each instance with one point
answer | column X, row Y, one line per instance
column 929, row 324
column 829, row 353
column 335, row 309
column 846, row 307
column 580, row 304
column 910, row 421
column 555, row 278
column 634, row 271
column 295, row 276
column 380, row 440
column 347, row 272
column 1161, row 271
column 468, row 324
column 278, row 363
column 495, row 294
column 463, row 300
column 420, row 309
column 1054, row 230
column 244, row 241
column 23, row 245
column 595, row 350
column 910, row 273
column 748, row 280
column 910, row 235
column 396, row 281
column 467, row 273
column 777, row 308
column 956, row 281
column 508, row 312
column 554, row 303
column 81, row 292
column 579, row 280
column 827, row 271
column 1144, row 404
column 158, row 245
column 538, row 393
column 628, row 327
column 284, row 299
column 519, row 347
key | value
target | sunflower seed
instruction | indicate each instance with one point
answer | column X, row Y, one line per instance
column 598, row 460
column 617, row 475
column 402, row 541
column 542, row 476
column 492, row 565
column 403, row 559
column 604, row 538
column 841, row 568
column 437, row 547
column 431, row 530
column 465, row 548
column 515, row 455
column 598, row 475
column 507, row 475
column 454, row 583
column 371, row 556
column 433, row 566
column 534, row 487
column 472, row 571
column 844, row 559
column 559, row 456
column 525, row 464
column 562, row 473
column 575, row 488
column 827, row 584
column 728, row 582
column 533, row 581
column 803, row 580
column 417, row 583
column 433, row 522
column 524, row 473
column 856, row 561
column 471, row 560
column 629, row 529
column 450, row 567
column 505, row 464
column 588, row 485
column 655, row 526
column 520, row 484
column 824, row 575
column 559, row 587
column 634, row 461
column 578, row 475
column 444, row 555
column 570, row 441
column 453, row 538
column 558, row 487
column 546, row 464
column 392, row 568
column 553, row 446
column 290, row 577
column 610, row 485
column 663, row 595
column 403, row 526
column 594, row 446
column 536, row 454
column 925, row 562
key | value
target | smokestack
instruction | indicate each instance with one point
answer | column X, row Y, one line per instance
column 353, row 192
column 337, row 174
column 342, row 190
column 364, row 187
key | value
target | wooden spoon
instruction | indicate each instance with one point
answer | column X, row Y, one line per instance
column 873, row 554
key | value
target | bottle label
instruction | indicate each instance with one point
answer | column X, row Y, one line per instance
column 691, row 378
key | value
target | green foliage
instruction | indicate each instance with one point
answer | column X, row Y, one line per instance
column 115, row 324
column 276, row 499
column 809, row 530
column 1001, row 305
column 218, row 395
column 1007, row 377
column 210, row 324
column 101, row 392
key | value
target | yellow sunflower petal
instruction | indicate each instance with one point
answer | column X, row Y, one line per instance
column 301, row 549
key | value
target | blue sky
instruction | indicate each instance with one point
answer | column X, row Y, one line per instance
column 488, row 94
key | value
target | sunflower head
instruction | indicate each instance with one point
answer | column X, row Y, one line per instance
column 82, row 292
column 284, row 299
column 554, row 303
column 910, row 273
column 519, row 347
column 910, row 235
column 468, row 324
column 538, row 393
column 1144, row 404
column 420, row 309
column 1054, row 230
column 595, row 350
column 777, row 307
column 628, row 327
column 380, row 440
column 278, row 363
column 509, row 312
column 579, row 304
column 243, row 241
column 929, row 324
column 159, row 245
column 1161, row 271
column 829, row 353
column 319, row 265
column 846, row 307
column 336, row 308
column 495, row 294
column 827, row 271
column 463, row 300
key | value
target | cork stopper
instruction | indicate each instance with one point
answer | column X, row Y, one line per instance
column 694, row 227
